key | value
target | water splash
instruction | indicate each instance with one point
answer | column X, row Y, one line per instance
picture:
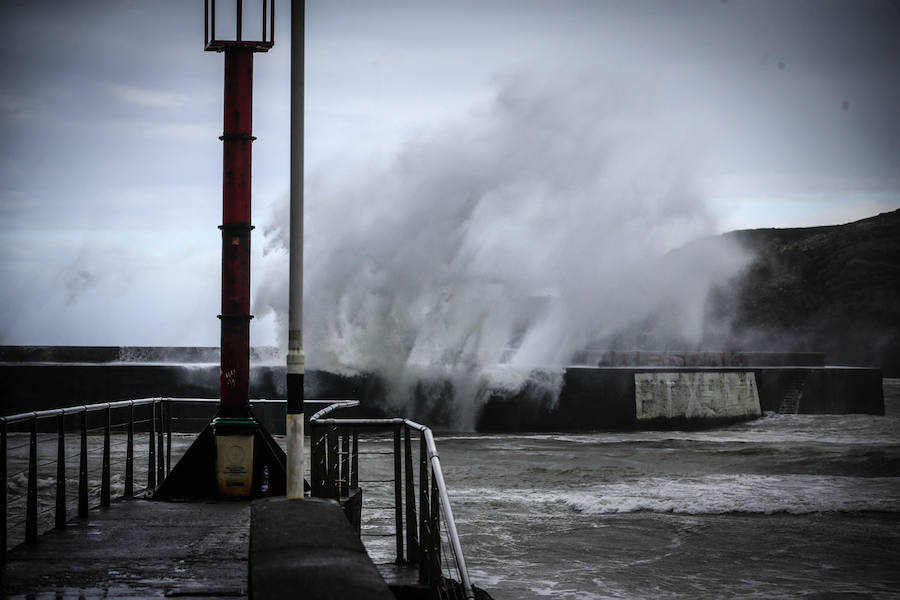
column 515, row 236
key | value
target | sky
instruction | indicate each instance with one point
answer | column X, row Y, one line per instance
column 753, row 114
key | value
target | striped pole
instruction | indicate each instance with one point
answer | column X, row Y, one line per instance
column 295, row 358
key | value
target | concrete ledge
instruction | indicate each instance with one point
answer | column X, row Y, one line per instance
column 307, row 548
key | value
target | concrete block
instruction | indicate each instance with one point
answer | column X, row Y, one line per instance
column 307, row 549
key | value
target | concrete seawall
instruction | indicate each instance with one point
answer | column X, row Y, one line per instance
column 611, row 396
column 606, row 398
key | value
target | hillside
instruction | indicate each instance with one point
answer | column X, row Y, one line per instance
column 829, row 289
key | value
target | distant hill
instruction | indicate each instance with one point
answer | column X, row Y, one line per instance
column 829, row 289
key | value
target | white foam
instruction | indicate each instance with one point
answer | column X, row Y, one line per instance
column 848, row 430
column 720, row 494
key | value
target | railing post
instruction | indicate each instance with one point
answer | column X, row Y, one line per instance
column 331, row 464
column 313, row 461
column 31, row 506
column 398, row 496
column 435, row 529
column 354, row 461
column 345, row 463
column 160, row 462
column 320, row 462
column 129, row 454
column 3, row 497
column 168, row 404
column 60, row 521
column 326, row 464
column 424, row 535
column 334, row 456
column 104, row 477
column 151, row 455
column 83, row 469
column 412, row 544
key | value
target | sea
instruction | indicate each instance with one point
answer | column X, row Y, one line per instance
column 786, row 506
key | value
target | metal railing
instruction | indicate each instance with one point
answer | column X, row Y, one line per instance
column 93, row 437
column 41, row 480
column 420, row 540
column 34, row 430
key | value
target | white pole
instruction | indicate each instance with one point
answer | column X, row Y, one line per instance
column 295, row 359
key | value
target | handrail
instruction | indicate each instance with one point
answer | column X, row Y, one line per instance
column 158, row 426
column 158, row 458
column 437, row 473
column 332, row 407
column 72, row 410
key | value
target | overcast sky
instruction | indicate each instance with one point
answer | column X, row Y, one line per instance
column 780, row 113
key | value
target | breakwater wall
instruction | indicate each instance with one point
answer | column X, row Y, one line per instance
column 667, row 397
column 715, row 388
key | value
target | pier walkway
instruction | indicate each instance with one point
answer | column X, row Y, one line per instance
column 150, row 549
column 138, row 549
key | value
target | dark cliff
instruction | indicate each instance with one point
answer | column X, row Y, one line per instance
column 829, row 289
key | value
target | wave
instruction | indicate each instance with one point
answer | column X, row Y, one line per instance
column 716, row 494
column 845, row 430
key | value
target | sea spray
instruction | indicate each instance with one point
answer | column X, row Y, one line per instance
column 516, row 236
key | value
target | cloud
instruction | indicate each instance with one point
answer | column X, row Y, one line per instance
column 78, row 282
column 147, row 98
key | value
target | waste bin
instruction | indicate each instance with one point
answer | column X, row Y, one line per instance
column 234, row 455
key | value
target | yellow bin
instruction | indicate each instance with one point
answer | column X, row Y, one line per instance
column 234, row 456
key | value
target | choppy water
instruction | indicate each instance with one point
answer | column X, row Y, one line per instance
column 782, row 507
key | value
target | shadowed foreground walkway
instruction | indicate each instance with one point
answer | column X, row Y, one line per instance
column 138, row 549
column 204, row 549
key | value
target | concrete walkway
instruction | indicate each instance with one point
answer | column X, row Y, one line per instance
column 138, row 549
column 309, row 545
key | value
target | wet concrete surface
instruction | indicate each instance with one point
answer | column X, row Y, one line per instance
column 138, row 549
column 309, row 545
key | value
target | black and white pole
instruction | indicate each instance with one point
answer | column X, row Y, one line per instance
column 295, row 358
